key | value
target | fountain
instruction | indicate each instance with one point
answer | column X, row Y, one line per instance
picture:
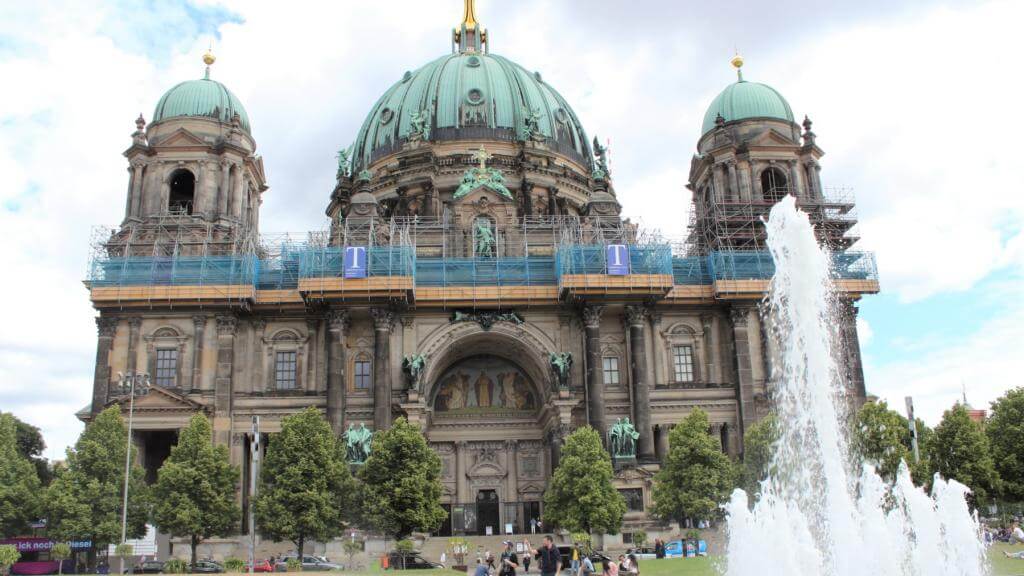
column 819, row 514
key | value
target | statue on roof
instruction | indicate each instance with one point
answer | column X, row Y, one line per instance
column 530, row 129
column 561, row 365
column 602, row 158
column 419, row 120
column 413, row 366
column 483, row 237
column 344, row 164
column 622, row 439
column 357, row 443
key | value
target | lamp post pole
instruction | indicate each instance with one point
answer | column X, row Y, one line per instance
column 143, row 380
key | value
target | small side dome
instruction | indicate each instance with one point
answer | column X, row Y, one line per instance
column 744, row 100
column 204, row 98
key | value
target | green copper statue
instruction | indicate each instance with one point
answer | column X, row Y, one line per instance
column 483, row 237
column 343, row 163
column 413, row 366
column 561, row 364
column 357, row 443
column 622, row 439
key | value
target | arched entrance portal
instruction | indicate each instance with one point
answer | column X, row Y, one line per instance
column 487, row 423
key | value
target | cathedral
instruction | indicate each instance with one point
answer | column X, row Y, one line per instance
column 474, row 275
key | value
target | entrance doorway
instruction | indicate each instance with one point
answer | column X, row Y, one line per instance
column 487, row 512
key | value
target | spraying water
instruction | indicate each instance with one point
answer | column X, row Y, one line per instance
column 818, row 514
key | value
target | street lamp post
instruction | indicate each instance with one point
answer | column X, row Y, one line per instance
column 128, row 386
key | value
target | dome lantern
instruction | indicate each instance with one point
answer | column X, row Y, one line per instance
column 745, row 100
column 202, row 98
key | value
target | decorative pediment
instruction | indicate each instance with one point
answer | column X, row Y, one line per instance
column 634, row 473
column 531, row 488
column 161, row 399
column 771, row 137
column 181, row 138
column 486, row 469
column 482, row 187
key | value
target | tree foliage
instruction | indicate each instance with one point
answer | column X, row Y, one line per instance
column 758, row 451
column 8, row 556
column 401, row 490
column 305, row 483
column 31, row 446
column 696, row 477
column 84, row 500
column 881, row 436
column 60, row 552
column 581, row 497
column 19, row 484
column 1005, row 431
column 194, row 495
column 959, row 450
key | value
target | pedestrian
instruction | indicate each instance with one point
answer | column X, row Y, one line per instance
column 509, row 560
column 575, row 564
column 533, row 525
column 481, row 568
column 1016, row 534
column 659, row 548
column 548, row 559
column 444, row 558
column 489, row 559
column 526, row 562
column 586, row 566
column 610, row 568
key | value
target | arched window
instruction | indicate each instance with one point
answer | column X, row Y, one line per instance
column 774, row 185
column 183, row 192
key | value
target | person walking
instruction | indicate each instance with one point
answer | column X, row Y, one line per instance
column 509, row 560
column 526, row 562
column 548, row 559
column 659, row 548
column 586, row 566
column 481, row 568
column 575, row 564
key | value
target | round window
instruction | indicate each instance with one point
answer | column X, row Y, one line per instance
column 386, row 115
column 473, row 61
column 475, row 96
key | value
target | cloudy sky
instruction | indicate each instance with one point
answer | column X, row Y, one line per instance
column 915, row 102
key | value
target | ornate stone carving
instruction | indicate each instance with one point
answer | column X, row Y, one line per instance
column 134, row 322
column 357, row 443
column 413, row 366
column 592, row 316
column 561, row 366
column 487, row 318
column 338, row 320
column 227, row 324
column 199, row 321
column 106, row 326
column 636, row 315
column 738, row 317
column 259, row 325
column 383, row 319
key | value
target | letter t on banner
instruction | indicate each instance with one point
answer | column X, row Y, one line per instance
column 355, row 262
column 618, row 259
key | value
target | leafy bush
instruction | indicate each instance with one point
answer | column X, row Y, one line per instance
column 693, row 534
column 293, row 565
column 124, row 550
column 640, row 538
column 8, row 556
column 405, row 546
column 175, row 566
column 61, row 551
column 234, row 565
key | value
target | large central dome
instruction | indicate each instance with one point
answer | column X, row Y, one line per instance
column 470, row 95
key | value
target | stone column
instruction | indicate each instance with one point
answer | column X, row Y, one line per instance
column 511, row 449
column 383, row 323
column 106, row 328
column 745, row 386
column 660, row 363
column 713, row 355
column 745, row 178
column 595, row 375
column 338, row 322
column 223, row 191
column 636, row 317
column 135, row 193
column 854, row 369
column 734, row 186
column 312, row 356
column 199, row 335
column 165, row 191
column 237, row 187
column 227, row 325
column 794, row 179
column 662, row 443
column 460, row 472
column 134, row 323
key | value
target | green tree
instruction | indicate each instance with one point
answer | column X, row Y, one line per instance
column 194, row 495
column 31, row 446
column 84, row 500
column 758, row 451
column 401, row 489
column 1005, row 431
column 8, row 556
column 881, row 436
column 60, row 552
column 959, row 450
column 305, row 483
column 19, row 484
column 581, row 497
column 696, row 477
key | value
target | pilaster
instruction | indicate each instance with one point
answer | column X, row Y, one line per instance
column 383, row 324
column 636, row 318
column 227, row 326
column 106, row 328
column 337, row 323
column 595, row 376
column 739, row 317
column 199, row 339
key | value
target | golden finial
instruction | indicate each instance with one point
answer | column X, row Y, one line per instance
column 737, row 63
column 469, row 16
column 209, row 58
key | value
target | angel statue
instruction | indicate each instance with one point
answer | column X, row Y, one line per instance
column 561, row 364
column 413, row 366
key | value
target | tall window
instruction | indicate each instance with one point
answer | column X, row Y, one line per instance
column 611, row 370
column 285, row 369
column 634, row 498
column 182, row 196
column 166, row 367
column 682, row 363
column 362, row 370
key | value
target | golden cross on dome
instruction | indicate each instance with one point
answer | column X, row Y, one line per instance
column 483, row 157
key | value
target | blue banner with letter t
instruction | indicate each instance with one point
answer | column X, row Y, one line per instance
column 355, row 262
column 617, row 256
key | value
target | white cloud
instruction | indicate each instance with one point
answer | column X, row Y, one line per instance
column 916, row 113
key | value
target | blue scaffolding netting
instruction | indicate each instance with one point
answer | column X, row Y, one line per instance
column 297, row 261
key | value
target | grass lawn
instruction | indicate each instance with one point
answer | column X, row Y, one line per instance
column 1003, row 566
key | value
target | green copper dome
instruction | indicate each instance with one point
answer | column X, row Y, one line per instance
column 470, row 95
column 203, row 97
column 747, row 100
